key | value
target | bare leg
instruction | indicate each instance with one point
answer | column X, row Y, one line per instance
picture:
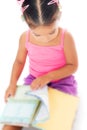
column 8, row 127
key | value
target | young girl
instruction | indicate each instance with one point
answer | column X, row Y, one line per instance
column 51, row 51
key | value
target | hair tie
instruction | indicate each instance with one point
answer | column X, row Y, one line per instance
column 52, row 2
column 20, row 2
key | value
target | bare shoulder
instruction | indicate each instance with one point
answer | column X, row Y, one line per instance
column 22, row 42
column 22, row 51
column 22, row 38
column 68, row 39
column 70, row 49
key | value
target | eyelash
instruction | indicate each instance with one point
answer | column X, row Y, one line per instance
column 49, row 34
column 36, row 35
column 52, row 33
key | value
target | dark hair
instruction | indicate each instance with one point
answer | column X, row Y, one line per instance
column 39, row 13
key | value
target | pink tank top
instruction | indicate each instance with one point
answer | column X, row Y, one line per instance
column 43, row 59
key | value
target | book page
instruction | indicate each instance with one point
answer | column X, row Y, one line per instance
column 43, row 112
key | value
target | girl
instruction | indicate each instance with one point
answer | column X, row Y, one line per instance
column 51, row 51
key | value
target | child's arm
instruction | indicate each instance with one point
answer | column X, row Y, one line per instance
column 19, row 60
column 70, row 67
column 71, row 60
column 17, row 66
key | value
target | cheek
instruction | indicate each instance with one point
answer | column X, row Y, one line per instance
column 52, row 36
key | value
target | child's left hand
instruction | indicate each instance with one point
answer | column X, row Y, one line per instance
column 39, row 82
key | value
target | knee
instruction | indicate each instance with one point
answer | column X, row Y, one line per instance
column 9, row 127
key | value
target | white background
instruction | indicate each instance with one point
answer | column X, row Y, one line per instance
column 11, row 26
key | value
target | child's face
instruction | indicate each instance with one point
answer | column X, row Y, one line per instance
column 45, row 33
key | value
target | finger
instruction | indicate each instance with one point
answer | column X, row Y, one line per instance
column 36, row 87
column 12, row 93
column 6, row 97
column 33, row 86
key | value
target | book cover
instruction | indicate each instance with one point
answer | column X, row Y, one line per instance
column 63, row 109
column 26, row 107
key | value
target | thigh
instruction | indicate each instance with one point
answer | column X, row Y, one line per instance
column 9, row 127
column 67, row 85
column 28, row 80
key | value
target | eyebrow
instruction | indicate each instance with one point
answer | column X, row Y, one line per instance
column 49, row 33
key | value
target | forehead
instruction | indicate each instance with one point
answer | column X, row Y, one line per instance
column 44, row 29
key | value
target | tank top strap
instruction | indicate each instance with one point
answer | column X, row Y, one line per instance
column 27, row 38
column 62, row 37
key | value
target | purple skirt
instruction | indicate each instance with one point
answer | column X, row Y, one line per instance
column 67, row 85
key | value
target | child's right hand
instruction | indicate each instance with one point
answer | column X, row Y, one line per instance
column 10, row 92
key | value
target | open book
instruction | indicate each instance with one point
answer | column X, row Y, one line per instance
column 27, row 107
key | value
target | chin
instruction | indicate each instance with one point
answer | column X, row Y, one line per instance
column 47, row 41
